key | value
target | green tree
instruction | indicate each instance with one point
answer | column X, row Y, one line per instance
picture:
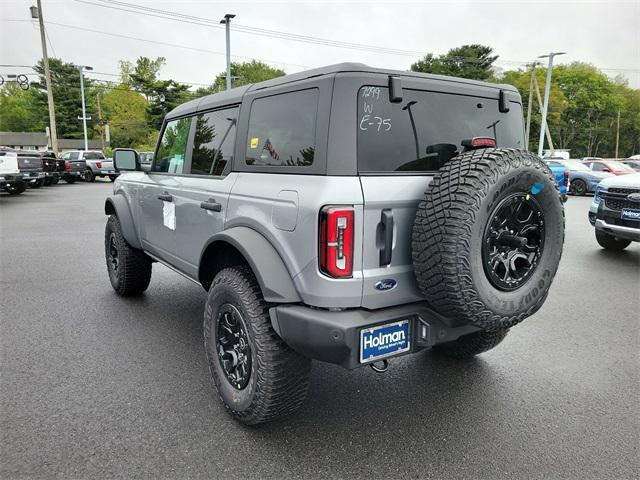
column 65, row 80
column 144, row 74
column 468, row 61
column 164, row 96
column 19, row 110
column 125, row 112
column 244, row 73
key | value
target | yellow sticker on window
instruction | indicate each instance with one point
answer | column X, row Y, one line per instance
column 254, row 142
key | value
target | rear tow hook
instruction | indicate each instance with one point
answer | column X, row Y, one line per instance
column 380, row 369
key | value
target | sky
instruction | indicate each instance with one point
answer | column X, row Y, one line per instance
column 603, row 33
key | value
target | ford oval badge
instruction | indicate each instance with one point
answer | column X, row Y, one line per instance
column 386, row 284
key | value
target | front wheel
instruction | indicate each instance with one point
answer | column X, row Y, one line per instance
column 609, row 242
column 259, row 378
column 129, row 268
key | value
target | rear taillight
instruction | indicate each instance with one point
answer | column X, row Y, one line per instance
column 99, row 164
column 67, row 165
column 336, row 241
column 566, row 178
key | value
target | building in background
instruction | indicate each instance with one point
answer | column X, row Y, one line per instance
column 40, row 141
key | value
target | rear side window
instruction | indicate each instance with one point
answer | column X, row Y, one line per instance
column 282, row 129
column 213, row 141
column 427, row 128
column 173, row 146
column 598, row 167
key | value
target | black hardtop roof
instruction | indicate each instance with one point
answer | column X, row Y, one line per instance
column 235, row 95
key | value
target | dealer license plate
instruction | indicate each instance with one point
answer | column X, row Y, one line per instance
column 630, row 214
column 384, row 341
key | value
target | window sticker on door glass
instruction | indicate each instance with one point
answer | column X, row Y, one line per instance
column 254, row 142
column 169, row 215
column 175, row 164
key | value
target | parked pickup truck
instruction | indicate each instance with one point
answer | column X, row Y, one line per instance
column 10, row 176
column 74, row 167
column 96, row 165
column 49, row 164
column 31, row 169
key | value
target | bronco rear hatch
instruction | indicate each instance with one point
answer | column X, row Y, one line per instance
column 401, row 143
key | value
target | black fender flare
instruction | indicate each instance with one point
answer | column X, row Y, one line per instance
column 267, row 265
column 118, row 205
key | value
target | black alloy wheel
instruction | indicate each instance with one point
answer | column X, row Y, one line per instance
column 234, row 351
column 513, row 241
column 113, row 257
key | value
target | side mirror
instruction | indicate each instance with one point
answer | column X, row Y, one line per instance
column 126, row 159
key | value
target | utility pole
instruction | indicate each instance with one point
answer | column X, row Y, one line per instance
column 84, row 118
column 227, row 22
column 618, row 133
column 547, row 131
column 100, row 120
column 36, row 12
column 547, row 87
column 529, row 105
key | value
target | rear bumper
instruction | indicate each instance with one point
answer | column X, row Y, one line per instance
column 334, row 336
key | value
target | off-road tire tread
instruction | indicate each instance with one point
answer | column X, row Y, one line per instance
column 442, row 231
column 469, row 346
column 282, row 374
column 134, row 271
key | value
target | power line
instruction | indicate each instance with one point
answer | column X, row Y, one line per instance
column 157, row 42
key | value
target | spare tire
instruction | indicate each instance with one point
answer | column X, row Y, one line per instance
column 487, row 238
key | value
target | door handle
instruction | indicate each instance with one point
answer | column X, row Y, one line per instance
column 165, row 197
column 211, row 205
column 386, row 219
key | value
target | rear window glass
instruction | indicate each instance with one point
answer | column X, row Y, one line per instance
column 30, row 162
column 427, row 128
column 282, row 129
column 93, row 156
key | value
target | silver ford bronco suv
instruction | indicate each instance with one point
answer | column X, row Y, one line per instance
column 345, row 214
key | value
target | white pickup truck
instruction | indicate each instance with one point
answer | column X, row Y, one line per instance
column 97, row 165
column 10, row 177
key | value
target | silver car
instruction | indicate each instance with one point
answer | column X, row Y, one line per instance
column 346, row 214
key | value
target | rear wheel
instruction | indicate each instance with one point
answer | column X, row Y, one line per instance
column 113, row 177
column 471, row 345
column 70, row 180
column 48, row 181
column 487, row 238
column 89, row 176
column 36, row 184
column 129, row 268
column 55, row 180
column 610, row 242
column 258, row 377
column 578, row 187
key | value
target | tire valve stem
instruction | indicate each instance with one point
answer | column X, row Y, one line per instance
column 380, row 369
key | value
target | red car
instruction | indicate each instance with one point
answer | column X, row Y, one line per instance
column 611, row 166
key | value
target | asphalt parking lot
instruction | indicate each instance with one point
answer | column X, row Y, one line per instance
column 96, row 386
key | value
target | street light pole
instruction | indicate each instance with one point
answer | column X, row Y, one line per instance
column 227, row 22
column 36, row 12
column 545, row 106
column 84, row 113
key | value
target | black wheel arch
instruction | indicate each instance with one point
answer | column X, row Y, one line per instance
column 118, row 205
column 245, row 246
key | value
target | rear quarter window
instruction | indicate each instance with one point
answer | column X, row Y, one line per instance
column 282, row 129
column 427, row 128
